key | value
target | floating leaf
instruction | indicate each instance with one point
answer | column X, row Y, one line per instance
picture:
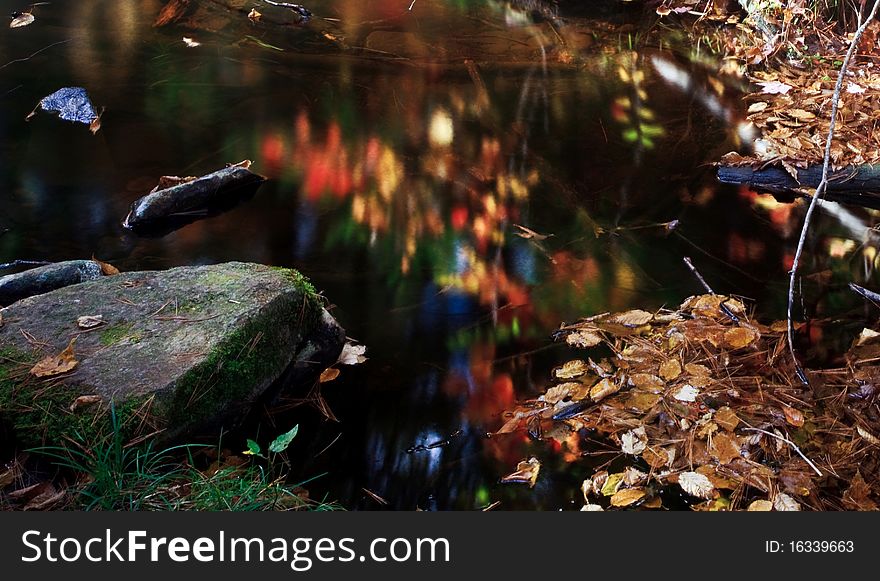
column 71, row 104
column 254, row 15
column 281, row 443
column 21, row 19
column 724, row 448
column 352, row 354
column 627, row 497
column 530, row 234
column 612, row 484
column 592, row 508
column 190, row 42
column 526, row 473
column 56, row 364
column 329, row 374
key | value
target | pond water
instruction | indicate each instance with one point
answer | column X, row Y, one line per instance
column 404, row 148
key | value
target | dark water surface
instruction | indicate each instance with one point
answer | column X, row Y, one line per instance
column 397, row 176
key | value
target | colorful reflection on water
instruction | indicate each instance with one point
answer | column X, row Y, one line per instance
column 458, row 179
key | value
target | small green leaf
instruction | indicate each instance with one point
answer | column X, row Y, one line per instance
column 281, row 443
column 253, row 448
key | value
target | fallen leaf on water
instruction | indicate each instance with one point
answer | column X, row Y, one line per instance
column 85, row 401
column 71, row 104
column 559, row 392
column 90, row 321
column 254, row 15
column 793, row 416
column 612, row 484
column 696, row 484
column 329, row 374
column 526, row 473
column 190, row 42
column 724, row 448
column 760, row 506
column 352, row 354
column 56, row 364
column 800, row 114
column 647, row 382
column 20, row 19
column 627, row 496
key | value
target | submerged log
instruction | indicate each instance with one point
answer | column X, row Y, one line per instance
column 43, row 279
column 858, row 185
column 181, row 200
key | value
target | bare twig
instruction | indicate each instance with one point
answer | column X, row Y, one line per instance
column 724, row 308
column 790, row 443
column 865, row 293
column 820, row 189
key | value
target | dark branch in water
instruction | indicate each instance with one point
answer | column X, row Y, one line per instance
column 865, row 293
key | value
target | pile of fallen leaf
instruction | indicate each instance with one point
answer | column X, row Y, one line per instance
column 705, row 399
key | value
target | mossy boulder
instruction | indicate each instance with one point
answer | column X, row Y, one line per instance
column 177, row 351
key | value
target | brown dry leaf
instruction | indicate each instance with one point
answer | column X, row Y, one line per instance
column 254, row 15
column 559, row 392
column 641, row 401
column 85, row 401
column 757, row 107
column 627, row 497
column 793, row 416
column 698, row 370
column 572, row 369
column 56, row 364
column 634, row 318
column 726, row 418
column 655, row 457
column 670, row 369
column 760, row 506
column 329, row 374
column 107, row 269
column 603, row 389
column 584, row 338
column 739, row 337
column 647, row 382
column 526, row 473
column 783, row 502
column 800, row 114
column 724, row 448
column 530, row 234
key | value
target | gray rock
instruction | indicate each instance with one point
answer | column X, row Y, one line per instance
column 36, row 281
column 180, row 350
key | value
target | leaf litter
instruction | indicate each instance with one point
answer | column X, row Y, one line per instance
column 696, row 401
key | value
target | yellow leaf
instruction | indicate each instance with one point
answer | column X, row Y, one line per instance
column 584, row 338
column 526, row 473
column 634, row 318
column 572, row 369
column 603, row 389
column 726, row 418
column 627, row 496
column 56, row 364
column 670, row 369
column 739, row 337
